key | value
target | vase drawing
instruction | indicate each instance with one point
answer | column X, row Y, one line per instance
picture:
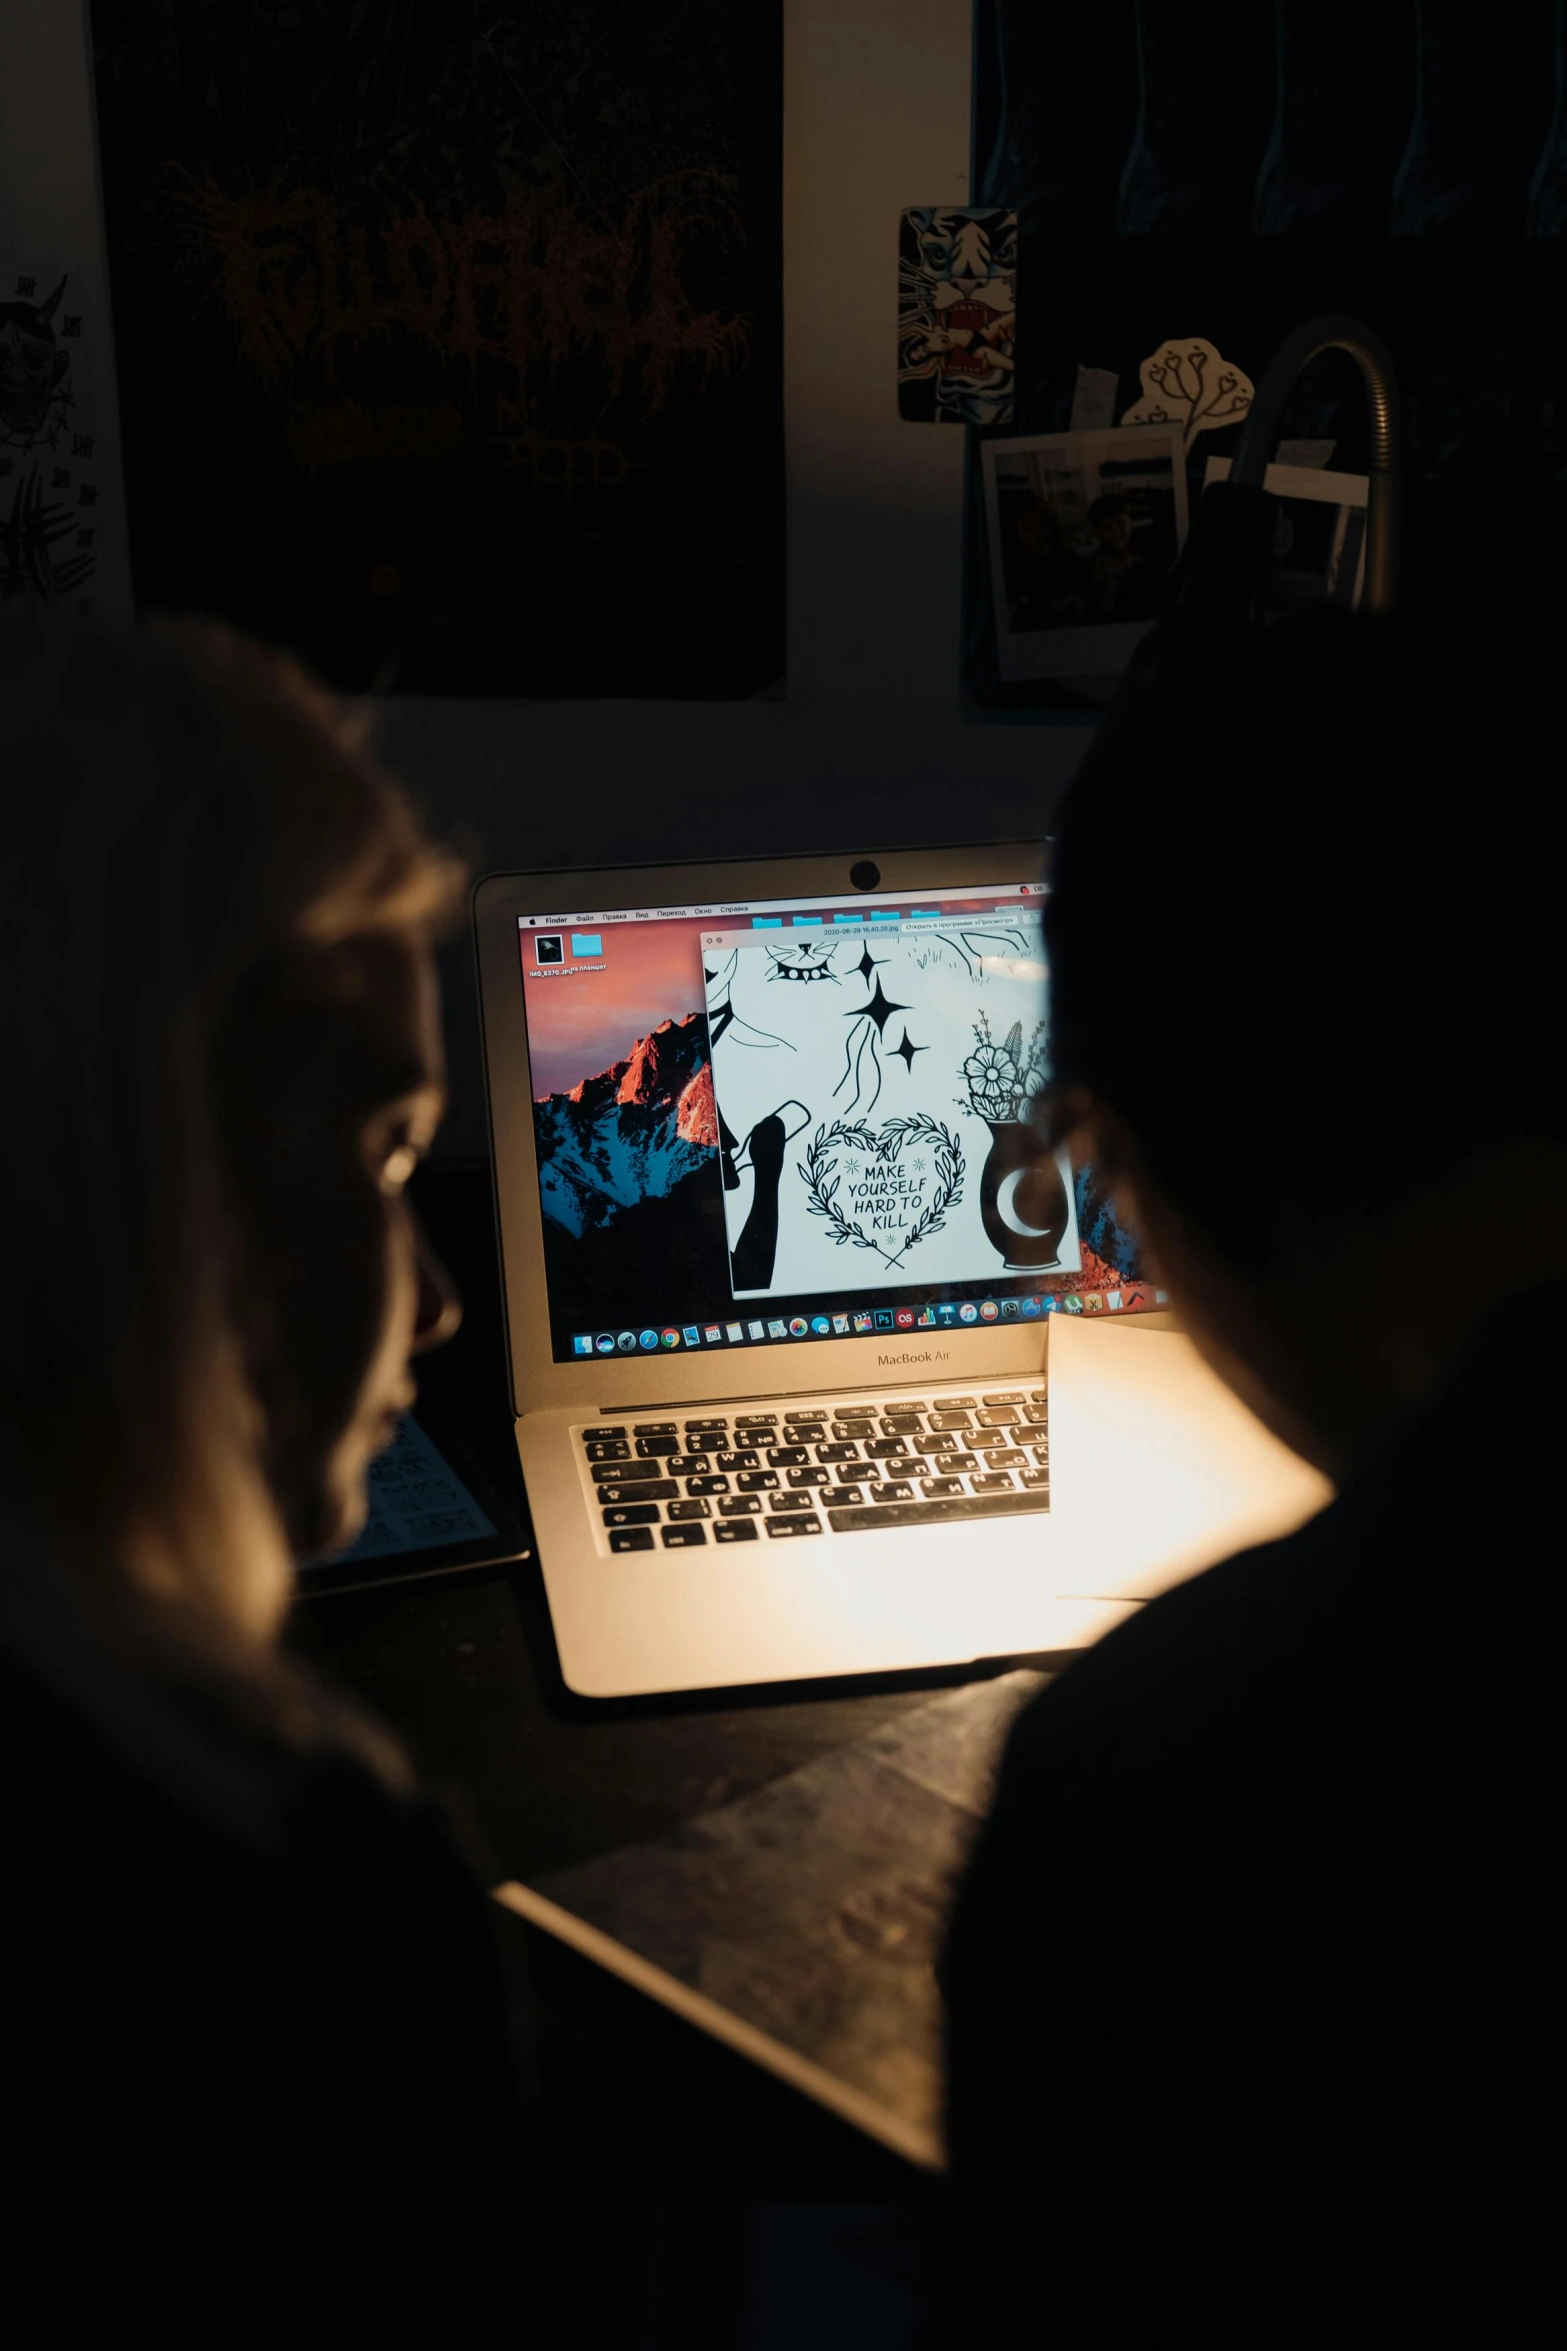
column 1022, row 1198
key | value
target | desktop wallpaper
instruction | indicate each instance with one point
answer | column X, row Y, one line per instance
column 630, row 1178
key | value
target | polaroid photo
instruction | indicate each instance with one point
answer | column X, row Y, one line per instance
column 1319, row 535
column 1084, row 529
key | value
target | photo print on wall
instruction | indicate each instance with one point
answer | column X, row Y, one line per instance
column 873, row 1097
column 1084, row 529
column 49, row 486
column 957, row 314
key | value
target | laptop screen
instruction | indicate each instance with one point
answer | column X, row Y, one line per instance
column 767, row 1121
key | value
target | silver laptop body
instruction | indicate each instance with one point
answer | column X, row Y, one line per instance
column 780, row 1251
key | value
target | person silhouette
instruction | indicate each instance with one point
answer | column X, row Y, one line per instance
column 1254, row 1980
column 239, row 1934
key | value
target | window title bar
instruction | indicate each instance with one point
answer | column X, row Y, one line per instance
column 978, row 895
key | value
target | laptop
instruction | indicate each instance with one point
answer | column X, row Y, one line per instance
column 781, row 1252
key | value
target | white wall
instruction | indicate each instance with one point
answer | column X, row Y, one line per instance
column 869, row 748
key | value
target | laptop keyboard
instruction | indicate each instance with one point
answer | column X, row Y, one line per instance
column 839, row 1468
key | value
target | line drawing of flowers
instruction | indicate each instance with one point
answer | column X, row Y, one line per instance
column 1004, row 1081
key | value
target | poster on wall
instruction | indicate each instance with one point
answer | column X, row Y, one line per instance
column 450, row 339
column 957, row 314
column 52, row 515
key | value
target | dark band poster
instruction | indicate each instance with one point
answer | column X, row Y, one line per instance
column 449, row 337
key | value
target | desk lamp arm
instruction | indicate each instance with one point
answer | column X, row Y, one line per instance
column 1334, row 332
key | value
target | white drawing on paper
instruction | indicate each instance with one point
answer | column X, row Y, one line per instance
column 1190, row 385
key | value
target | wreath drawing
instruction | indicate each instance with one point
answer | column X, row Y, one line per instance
column 823, row 1179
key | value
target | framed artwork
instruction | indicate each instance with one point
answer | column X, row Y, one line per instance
column 449, row 340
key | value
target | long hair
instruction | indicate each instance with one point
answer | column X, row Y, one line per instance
column 183, row 817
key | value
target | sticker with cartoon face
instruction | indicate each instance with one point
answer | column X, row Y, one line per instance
column 957, row 314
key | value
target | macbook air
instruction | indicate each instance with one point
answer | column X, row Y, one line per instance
column 782, row 1248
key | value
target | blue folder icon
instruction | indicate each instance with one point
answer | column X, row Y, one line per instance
column 587, row 942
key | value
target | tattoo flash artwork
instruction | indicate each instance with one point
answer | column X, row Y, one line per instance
column 957, row 314
column 853, row 1046
column 48, row 468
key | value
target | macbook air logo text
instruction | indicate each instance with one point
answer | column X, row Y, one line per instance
column 924, row 1355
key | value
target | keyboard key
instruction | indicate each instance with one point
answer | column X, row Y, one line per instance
column 682, row 1538
column 739, row 1506
column 941, row 1485
column 850, row 1430
column 791, row 1501
column 744, row 1459
column 953, row 1462
column 756, row 1481
column 632, row 1539
column 810, row 1476
column 952, row 1403
column 794, row 1526
column 1007, row 1396
column 734, row 1530
column 1039, row 1478
column 652, row 1428
column 625, row 1473
column 997, row 1417
column 687, row 1465
column 805, row 1432
column 900, row 1424
column 780, row 1456
column 1037, row 1412
column 848, row 1473
column 705, row 1424
column 941, row 1442
column 684, row 1510
column 660, row 1490
column 707, row 1485
column 893, row 1491
column 607, row 1449
column 1010, row 1459
column 837, row 1453
column 950, row 1420
column 995, row 1481
column 937, row 1511
column 850, row 1494
column 1041, row 1453
column 649, row 1448
column 905, row 1404
column 755, row 1420
column 600, row 1435
column 883, row 1448
column 632, row 1514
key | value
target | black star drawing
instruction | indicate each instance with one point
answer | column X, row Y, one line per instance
column 868, row 962
column 880, row 1009
column 906, row 1051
